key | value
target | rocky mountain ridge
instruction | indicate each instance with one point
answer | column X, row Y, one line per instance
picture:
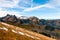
column 49, row 28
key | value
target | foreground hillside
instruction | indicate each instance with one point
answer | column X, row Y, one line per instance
column 9, row 32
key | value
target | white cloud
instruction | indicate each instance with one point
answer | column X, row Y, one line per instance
column 38, row 7
column 49, row 6
column 4, row 13
column 53, row 4
column 33, row 8
column 14, row 3
column 27, row 2
column 5, row 3
column 9, row 4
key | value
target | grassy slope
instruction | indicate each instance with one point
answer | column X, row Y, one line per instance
column 8, row 34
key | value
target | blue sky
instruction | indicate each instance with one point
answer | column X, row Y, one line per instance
column 43, row 9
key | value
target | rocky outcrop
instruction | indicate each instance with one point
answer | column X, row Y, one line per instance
column 9, row 18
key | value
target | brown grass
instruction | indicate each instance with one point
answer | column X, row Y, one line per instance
column 9, row 35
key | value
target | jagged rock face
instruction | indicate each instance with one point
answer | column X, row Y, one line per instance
column 11, row 18
column 57, row 22
column 42, row 22
column 25, row 21
column 34, row 20
column 5, row 18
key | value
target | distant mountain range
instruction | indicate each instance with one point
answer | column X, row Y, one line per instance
column 49, row 28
